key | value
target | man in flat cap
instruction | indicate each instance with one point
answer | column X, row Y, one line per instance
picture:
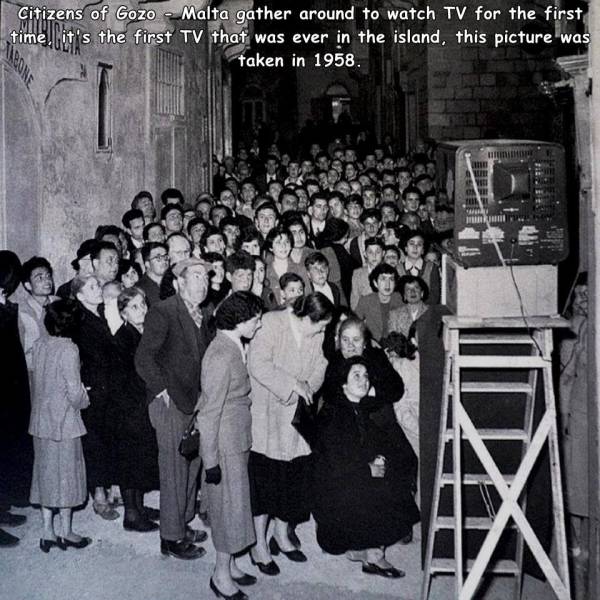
column 176, row 335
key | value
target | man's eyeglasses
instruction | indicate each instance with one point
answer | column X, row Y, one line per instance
column 160, row 257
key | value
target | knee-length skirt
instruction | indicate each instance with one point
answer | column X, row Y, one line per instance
column 229, row 508
column 59, row 477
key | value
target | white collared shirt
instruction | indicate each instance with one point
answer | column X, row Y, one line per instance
column 325, row 290
column 414, row 268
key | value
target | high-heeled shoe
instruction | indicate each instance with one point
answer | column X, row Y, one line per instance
column 64, row 543
column 293, row 555
column 45, row 545
column 239, row 595
column 270, row 568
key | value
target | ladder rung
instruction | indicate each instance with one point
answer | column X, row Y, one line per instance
column 447, row 565
column 492, row 387
column 501, row 362
column 494, row 434
column 474, row 479
column 483, row 338
column 469, row 523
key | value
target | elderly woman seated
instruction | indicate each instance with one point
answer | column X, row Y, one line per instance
column 363, row 479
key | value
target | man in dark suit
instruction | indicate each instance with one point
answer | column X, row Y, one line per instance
column 271, row 174
column 156, row 260
column 318, row 210
column 169, row 356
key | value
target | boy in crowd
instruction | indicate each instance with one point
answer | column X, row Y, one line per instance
column 317, row 267
column 291, row 287
column 361, row 285
column 213, row 240
column 265, row 218
column 240, row 271
column 171, row 217
column 143, row 201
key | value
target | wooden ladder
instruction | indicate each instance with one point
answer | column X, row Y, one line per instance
column 489, row 346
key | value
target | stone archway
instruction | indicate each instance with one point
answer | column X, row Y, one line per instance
column 20, row 143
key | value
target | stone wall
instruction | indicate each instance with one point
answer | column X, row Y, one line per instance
column 477, row 91
column 77, row 185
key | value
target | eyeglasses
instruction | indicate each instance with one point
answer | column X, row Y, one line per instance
column 161, row 257
column 318, row 269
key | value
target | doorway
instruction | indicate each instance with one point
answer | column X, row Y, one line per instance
column 20, row 143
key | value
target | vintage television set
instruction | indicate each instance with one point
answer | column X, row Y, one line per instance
column 510, row 226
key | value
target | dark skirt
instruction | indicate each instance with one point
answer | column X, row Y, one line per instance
column 136, row 451
column 281, row 488
column 371, row 518
column 99, row 446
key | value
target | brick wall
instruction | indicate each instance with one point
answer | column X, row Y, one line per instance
column 477, row 91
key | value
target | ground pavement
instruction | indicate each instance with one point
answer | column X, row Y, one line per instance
column 121, row 565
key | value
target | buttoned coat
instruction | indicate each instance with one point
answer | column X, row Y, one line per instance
column 275, row 363
column 401, row 318
column 369, row 309
column 224, row 418
column 58, row 394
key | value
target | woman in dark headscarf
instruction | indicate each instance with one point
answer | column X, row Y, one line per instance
column 363, row 484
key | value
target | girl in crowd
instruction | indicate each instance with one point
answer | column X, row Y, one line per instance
column 414, row 263
column 129, row 272
column 224, row 422
column 279, row 244
column 94, row 340
column 195, row 230
column 285, row 363
column 363, row 499
column 300, row 250
column 59, row 480
column 136, row 449
column 414, row 292
column 219, row 286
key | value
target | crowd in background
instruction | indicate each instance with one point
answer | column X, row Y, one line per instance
column 293, row 293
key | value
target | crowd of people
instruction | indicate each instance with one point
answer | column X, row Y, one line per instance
column 283, row 315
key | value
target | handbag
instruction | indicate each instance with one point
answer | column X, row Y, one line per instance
column 189, row 446
column 305, row 422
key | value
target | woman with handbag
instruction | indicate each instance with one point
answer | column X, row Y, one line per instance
column 285, row 363
column 224, row 422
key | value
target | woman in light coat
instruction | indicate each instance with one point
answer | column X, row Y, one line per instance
column 59, row 478
column 285, row 363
